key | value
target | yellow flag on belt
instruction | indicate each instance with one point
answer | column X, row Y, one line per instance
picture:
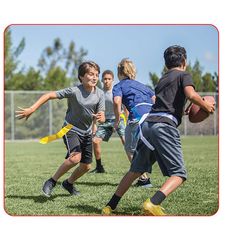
column 58, row 135
column 124, row 118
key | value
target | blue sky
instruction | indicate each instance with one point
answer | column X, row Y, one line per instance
column 108, row 44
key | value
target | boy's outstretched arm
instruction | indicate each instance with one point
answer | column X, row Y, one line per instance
column 195, row 98
column 26, row 112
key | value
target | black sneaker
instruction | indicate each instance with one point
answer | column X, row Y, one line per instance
column 69, row 187
column 48, row 187
column 99, row 169
column 145, row 183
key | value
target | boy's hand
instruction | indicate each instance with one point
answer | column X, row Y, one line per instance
column 24, row 113
column 100, row 117
column 187, row 110
column 116, row 125
column 210, row 106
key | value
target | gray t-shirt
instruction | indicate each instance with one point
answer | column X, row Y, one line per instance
column 109, row 112
column 82, row 105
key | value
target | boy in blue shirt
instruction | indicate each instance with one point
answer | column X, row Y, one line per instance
column 138, row 99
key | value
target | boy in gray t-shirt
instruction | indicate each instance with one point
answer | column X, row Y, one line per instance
column 86, row 104
column 104, row 131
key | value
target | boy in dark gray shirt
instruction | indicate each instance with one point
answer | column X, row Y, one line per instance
column 159, row 137
column 86, row 104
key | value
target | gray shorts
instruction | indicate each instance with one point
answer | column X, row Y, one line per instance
column 105, row 130
column 131, row 137
column 168, row 152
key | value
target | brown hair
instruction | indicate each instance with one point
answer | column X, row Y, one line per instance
column 85, row 66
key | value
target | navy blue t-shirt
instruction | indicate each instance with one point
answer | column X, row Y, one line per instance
column 133, row 93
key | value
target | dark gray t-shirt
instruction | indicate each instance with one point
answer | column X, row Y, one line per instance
column 82, row 105
column 170, row 97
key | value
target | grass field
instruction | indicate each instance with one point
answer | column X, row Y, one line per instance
column 29, row 164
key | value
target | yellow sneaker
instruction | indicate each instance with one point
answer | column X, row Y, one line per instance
column 107, row 211
column 150, row 209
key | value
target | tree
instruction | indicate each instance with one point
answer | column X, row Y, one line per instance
column 11, row 54
column 32, row 80
column 208, row 84
column 56, row 79
column 154, row 79
column 56, row 56
column 196, row 72
column 203, row 83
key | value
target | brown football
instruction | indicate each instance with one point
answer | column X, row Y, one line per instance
column 197, row 114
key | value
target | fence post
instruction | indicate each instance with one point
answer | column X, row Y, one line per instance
column 50, row 116
column 12, row 117
column 185, row 126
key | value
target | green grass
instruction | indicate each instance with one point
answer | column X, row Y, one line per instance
column 29, row 164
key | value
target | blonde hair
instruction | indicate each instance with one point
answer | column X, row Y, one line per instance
column 126, row 68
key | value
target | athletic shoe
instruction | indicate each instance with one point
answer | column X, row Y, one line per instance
column 150, row 209
column 107, row 211
column 69, row 187
column 48, row 187
column 99, row 169
column 145, row 183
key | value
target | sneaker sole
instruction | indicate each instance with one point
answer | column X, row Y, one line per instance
column 147, row 213
column 46, row 195
column 146, row 186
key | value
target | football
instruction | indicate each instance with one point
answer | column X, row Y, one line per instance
column 197, row 114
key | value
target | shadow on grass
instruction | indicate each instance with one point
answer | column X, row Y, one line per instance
column 97, row 184
column 91, row 210
column 37, row 199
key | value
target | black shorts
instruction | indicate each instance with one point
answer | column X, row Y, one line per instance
column 78, row 143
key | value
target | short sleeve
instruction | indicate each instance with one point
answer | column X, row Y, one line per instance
column 65, row 93
column 101, row 103
column 187, row 80
column 116, row 91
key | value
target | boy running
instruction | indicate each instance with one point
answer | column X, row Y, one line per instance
column 85, row 104
column 104, row 131
column 138, row 99
column 160, row 139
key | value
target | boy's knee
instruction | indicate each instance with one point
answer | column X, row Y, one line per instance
column 75, row 157
column 96, row 140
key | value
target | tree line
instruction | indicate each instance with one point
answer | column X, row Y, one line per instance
column 57, row 68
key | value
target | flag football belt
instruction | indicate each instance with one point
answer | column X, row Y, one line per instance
column 162, row 114
column 63, row 131
column 66, row 129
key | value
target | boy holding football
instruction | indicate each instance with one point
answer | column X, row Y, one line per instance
column 86, row 105
column 160, row 139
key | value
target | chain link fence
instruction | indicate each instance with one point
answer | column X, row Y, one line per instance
column 49, row 118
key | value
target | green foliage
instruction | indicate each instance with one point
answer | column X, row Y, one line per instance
column 56, row 79
column 31, row 80
column 57, row 67
column 203, row 83
column 57, row 58
column 29, row 164
column 154, row 79
column 11, row 54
